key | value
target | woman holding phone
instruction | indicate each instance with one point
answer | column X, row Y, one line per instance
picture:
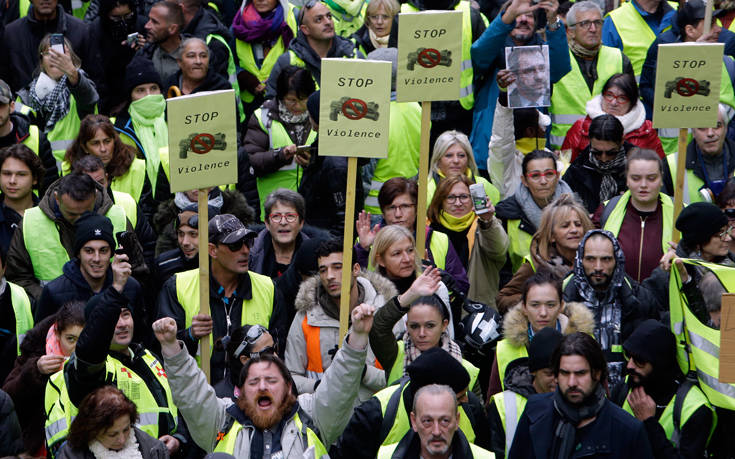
column 476, row 234
column 277, row 130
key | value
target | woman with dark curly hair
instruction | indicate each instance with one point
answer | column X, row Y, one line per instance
column 104, row 428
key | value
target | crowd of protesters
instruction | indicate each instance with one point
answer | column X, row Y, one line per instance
column 554, row 318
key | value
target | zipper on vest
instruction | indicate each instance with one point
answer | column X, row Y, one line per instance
column 640, row 248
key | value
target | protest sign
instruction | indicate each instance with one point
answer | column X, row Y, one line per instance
column 429, row 56
column 687, row 87
column 532, row 86
column 202, row 140
column 354, row 108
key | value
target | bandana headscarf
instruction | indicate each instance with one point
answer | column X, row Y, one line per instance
column 149, row 122
column 253, row 27
column 610, row 171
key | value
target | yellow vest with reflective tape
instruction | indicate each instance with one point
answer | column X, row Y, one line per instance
column 615, row 219
column 231, row 74
column 128, row 204
column 401, row 422
column 308, row 437
column 571, row 93
column 693, row 400
column 22, row 310
column 466, row 90
column 345, row 24
column 33, row 141
column 510, row 406
column 698, row 346
column 44, row 246
column 520, row 243
column 64, row 132
column 61, row 411
column 288, row 176
column 635, row 34
column 692, row 183
column 23, row 6
column 132, row 181
column 506, row 353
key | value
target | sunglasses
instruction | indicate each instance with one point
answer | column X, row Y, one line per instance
column 610, row 153
column 236, row 246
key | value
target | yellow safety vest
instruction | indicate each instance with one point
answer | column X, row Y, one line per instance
column 505, row 353
column 510, row 406
column 132, row 181
column 33, row 141
column 128, row 204
column 288, row 176
column 635, row 33
column 23, row 6
column 309, row 439
column 403, row 154
column 520, row 243
column 22, row 310
column 571, row 93
column 466, row 90
column 64, row 132
column 231, row 73
column 492, row 193
column 698, row 346
column 345, row 24
column 246, row 57
column 615, row 219
column 692, row 183
column 60, row 411
column 44, row 246
column 400, row 423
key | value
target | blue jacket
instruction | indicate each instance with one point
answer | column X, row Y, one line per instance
column 611, row 37
column 488, row 56
column 613, row 434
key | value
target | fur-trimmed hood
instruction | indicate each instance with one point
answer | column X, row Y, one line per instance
column 574, row 317
column 308, row 296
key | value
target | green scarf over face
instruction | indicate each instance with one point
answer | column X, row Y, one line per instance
column 149, row 122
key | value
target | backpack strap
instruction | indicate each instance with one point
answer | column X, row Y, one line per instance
column 607, row 210
column 681, row 394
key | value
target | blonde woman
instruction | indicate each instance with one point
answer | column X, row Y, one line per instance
column 380, row 19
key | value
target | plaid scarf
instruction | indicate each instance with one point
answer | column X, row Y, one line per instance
column 412, row 352
column 610, row 171
column 54, row 106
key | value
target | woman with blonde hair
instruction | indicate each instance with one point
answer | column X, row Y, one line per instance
column 563, row 224
column 380, row 19
column 453, row 156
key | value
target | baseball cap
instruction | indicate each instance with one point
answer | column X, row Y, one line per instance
column 692, row 12
column 6, row 95
column 227, row 228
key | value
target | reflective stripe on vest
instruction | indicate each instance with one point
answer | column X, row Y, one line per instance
column 61, row 411
column 401, row 424
column 698, row 346
column 510, row 406
column 311, row 443
column 506, row 353
column 128, row 204
column 520, row 243
column 294, row 59
column 165, row 162
column 289, row 175
column 314, row 367
column 64, row 132
column 231, row 74
column 615, row 219
column 466, row 90
column 22, row 310
column 692, row 183
column 635, row 34
column 571, row 93
column 257, row 310
column 132, row 181
column 44, row 247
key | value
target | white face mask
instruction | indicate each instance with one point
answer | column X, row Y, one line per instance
column 44, row 85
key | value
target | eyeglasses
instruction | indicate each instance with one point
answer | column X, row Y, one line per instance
column 236, row 246
column 610, row 97
column 730, row 213
column 725, row 233
column 611, row 153
column 254, row 333
column 586, row 24
column 548, row 174
column 452, row 198
column 402, row 207
column 278, row 217
column 377, row 17
column 266, row 350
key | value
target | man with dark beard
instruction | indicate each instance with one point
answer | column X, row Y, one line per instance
column 577, row 419
column 675, row 412
column 267, row 418
column 618, row 302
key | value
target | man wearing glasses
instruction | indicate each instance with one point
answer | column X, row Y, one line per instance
column 592, row 65
column 532, row 78
column 236, row 296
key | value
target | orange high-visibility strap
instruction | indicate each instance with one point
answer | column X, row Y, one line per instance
column 313, row 348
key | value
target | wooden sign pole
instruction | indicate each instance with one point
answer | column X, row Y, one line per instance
column 423, row 179
column 203, row 227
column 680, row 171
column 344, row 298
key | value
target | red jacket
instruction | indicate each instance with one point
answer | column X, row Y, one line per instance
column 645, row 136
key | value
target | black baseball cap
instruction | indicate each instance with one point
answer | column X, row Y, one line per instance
column 691, row 12
column 6, row 95
column 227, row 228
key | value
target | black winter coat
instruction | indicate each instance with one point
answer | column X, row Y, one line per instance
column 21, row 131
column 11, row 442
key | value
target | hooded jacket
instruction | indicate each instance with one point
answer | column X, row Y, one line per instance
column 19, row 266
column 376, row 289
column 21, row 131
column 205, row 23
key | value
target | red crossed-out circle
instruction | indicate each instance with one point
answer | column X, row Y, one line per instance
column 354, row 109
column 202, row 143
column 687, row 87
column 429, row 58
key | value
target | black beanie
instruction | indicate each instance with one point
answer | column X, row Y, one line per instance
column 139, row 71
column 437, row 366
column 93, row 227
column 312, row 105
column 654, row 343
column 699, row 221
column 305, row 259
column 542, row 347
